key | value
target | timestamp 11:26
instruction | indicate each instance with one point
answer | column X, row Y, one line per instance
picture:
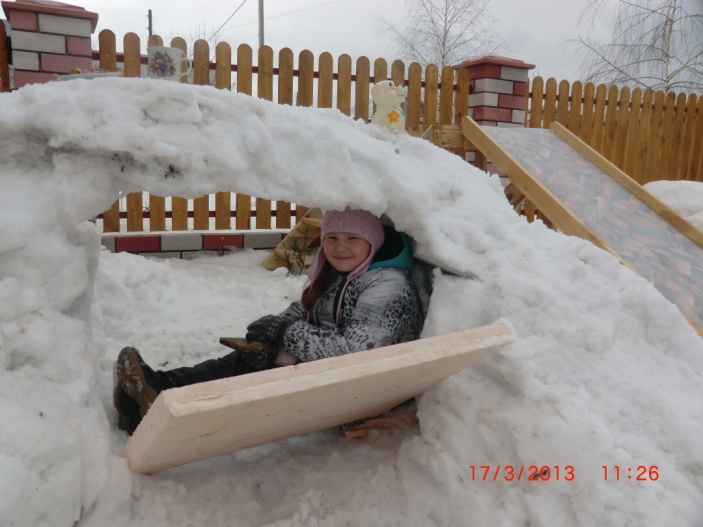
column 638, row 473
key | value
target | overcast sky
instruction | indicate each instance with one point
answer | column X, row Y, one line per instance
column 535, row 32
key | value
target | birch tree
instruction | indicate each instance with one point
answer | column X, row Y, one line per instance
column 655, row 44
column 445, row 32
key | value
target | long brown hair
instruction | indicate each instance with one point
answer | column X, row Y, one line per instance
column 315, row 289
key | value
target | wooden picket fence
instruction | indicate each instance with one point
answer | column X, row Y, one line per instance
column 649, row 135
column 434, row 97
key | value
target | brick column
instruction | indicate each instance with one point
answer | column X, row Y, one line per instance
column 47, row 38
column 497, row 90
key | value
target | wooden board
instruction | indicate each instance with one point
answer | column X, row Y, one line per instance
column 208, row 419
column 585, row 195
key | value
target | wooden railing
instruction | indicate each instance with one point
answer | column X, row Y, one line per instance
column 649, row 135
column 434, row 98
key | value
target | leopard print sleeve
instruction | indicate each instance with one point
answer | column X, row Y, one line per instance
column 379, row 308
column 293, row 312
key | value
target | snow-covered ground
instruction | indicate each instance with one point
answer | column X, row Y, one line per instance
column 604, row 370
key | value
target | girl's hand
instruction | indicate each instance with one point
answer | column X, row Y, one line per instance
column 268, row 330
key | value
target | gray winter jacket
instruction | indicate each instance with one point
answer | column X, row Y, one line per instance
column 378, row 308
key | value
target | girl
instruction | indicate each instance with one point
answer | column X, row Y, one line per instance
column 359, row 296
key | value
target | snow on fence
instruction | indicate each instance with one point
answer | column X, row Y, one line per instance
column 648, row 135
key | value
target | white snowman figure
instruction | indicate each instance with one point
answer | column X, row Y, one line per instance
column 389, row 100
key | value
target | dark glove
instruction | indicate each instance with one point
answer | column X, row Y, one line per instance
column 268, row 330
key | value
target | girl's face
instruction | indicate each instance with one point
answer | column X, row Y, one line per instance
column 345, row 251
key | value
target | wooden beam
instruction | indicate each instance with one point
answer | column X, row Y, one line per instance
column 208, row 419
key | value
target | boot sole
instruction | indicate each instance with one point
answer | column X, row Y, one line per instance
column 130, row 377
column 128, row 412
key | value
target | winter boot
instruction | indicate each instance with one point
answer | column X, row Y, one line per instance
column 139, row 381
column 128, row 414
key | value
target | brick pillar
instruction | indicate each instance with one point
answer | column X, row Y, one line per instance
column 497, row 90
column 48, row 38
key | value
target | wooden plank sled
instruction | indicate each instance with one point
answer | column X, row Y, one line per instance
column 395, row 419
column 213, row 418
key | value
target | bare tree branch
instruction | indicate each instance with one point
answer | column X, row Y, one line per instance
column 445, row 32
column 655, row 44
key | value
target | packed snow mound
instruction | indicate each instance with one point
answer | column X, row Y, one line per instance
column 605, row 371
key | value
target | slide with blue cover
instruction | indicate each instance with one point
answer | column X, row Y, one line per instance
column 583, row 194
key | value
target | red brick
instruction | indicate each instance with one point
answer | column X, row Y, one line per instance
column 515, row 102
column 79, row 46
column 23, row 21
column 52, row 8
column 519, row 88
column 484, row 71
column 217, row 242
column 486, row 123
column 488, row 113
column 64, row 63
column 138, row 244
column 22, row 78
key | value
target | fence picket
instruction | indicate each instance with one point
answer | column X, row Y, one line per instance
column 587, row 122
column 676, row 139
column 633, row 130
column 325, row 81
column 664, row 138
column 446, row 96
column 550, row 100
column 645, row 134
column 179, row 206
column 244, row 85
column 285, row 76
column 223, row 81
column 264, row 90
column 398, row 72
column 157, row 204
column 132, row 68
column 536, row 102
column 611, row 113
column 306, row 76
column 413, row 106
column 462, row 95
column 576, row 108
column 244, row 69
column 361, row 96
column 431, row 87
column 655, row 138
column 285, row 96
column 223, row 71
column 264, row 77
column 599, row 117
column 563, row 103
column 621, row 127
column 201, row 77
column 344, row 84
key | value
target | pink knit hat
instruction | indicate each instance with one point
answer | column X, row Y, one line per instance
column 359, row 222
